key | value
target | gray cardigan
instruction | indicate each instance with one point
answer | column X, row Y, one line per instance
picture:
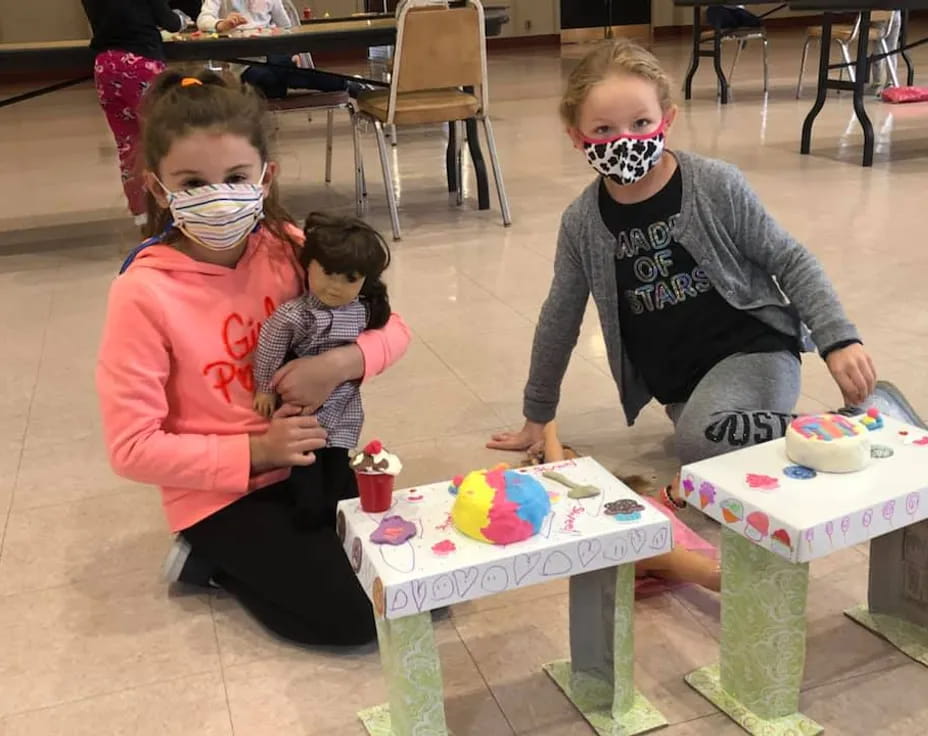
column 753, row 263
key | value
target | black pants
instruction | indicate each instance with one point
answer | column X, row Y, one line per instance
column 274, row 81
column 277, row 552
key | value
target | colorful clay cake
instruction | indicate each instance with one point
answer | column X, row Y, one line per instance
column 499, row 506
column 829, row 443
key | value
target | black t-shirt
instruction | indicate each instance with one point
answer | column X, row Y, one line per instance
column 675, row 325
column 130, row 25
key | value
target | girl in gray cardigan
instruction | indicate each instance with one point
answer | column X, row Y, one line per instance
column 705, row 301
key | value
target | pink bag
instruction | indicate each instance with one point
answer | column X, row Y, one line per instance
column 897, row 95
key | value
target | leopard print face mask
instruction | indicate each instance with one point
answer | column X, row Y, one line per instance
column 626, row 158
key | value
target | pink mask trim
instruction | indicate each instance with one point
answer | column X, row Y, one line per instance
column 646, row 136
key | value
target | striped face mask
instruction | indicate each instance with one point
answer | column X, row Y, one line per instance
column 218, row 216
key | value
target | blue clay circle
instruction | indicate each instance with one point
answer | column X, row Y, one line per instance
column 799, row 472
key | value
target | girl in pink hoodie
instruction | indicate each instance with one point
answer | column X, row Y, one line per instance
column 175, row 377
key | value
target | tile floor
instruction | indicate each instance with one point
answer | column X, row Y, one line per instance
column 91, row 642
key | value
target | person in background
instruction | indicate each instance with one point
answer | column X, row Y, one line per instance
column 127, row 41
column 222, row 16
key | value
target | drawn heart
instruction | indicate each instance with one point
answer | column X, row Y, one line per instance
column 442, row 588
column 418, row 593
column 524, row 564
column 464, row 580
column 660, row 539
column 400, row 601
column 587, row 550
column 615, row 550
column 557, row 564
column 638, row 540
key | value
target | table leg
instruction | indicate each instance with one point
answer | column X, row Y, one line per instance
column 897, row 605
column 862, row 72
column 824, row 58
column 451, row 166
column 413, row 672
column 903, row 40
column 694, row 61
column 719, row 72
column 599, row 679
column 763, row 641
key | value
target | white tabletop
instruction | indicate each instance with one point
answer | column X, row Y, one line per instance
column 421, row 574
column 803, row 519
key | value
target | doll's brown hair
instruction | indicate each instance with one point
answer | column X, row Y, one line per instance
column 612, row 58
column 175, row 106
column 352, row 248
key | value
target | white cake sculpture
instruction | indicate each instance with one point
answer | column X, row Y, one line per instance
column 829, row 443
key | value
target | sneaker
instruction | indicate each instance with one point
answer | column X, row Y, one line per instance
column 182, row 566
column 889, row 400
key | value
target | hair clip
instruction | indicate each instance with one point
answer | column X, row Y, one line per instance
column 190, row 82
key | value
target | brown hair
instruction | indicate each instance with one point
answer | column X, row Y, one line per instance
column 608, row 58
column 175, row 106
column 352, row 248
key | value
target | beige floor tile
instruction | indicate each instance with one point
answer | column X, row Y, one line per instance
column 99, row 636
column 307, row 694
column 107, row 535
column 190, row 705
column 55, row 473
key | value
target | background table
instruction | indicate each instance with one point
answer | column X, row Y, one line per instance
column 439, row 567
column 862, row 63
column 716, row 52
column 774, row 521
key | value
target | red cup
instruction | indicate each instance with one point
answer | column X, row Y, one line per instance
column 375, row 490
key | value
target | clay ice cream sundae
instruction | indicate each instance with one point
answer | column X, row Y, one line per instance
column 375, row 469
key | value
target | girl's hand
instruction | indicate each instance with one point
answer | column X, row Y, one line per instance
column 853, row 371
column 230, row 22
column 531, row 434
column 308, row 382
column 290, row 440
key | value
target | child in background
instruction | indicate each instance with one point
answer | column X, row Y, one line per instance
column 127, row 41
column 222, row 16
column 702, row 296
column 175, row 378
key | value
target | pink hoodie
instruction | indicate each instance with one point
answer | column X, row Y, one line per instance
column 174, row 374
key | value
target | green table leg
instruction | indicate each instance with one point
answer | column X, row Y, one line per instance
column 911, row 639
column 413, row 672
column 602, row 611
column 763, row 646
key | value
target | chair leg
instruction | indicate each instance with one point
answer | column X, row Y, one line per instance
column 329, row 133
column 393, row 135
column 890, row 67
column 846, row 55
column 459, row 159
column 802, row 66
column 497, row 172
column 360, row 186
column 734, row 62
column 766, row 66
column 388, row 179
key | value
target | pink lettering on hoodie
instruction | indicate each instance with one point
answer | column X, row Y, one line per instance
column 174, row 373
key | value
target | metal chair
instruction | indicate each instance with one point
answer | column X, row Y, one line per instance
column 740, row 36
column 439, row 51
column 846, row 36
column 330, row 102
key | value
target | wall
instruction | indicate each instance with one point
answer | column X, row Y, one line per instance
column 42, row 20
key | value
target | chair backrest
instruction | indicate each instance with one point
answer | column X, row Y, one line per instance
column 438, row 47
column 880, row 19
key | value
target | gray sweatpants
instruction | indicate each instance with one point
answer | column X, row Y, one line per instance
column 745, row 400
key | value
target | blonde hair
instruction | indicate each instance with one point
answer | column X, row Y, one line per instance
column 607, row 59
